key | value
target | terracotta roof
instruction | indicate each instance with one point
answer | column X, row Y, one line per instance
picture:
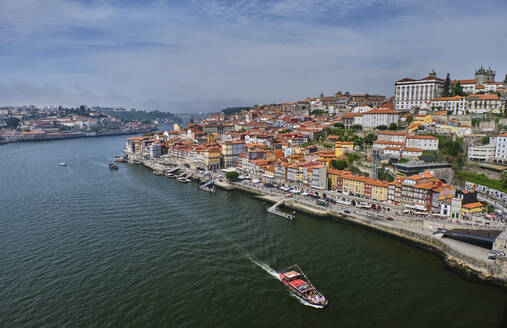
column 485, row 97
column 381, row 111
column 471, row 81
column 473, row 205
column 422, row 137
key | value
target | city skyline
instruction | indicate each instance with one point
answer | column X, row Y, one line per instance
column 207, row 55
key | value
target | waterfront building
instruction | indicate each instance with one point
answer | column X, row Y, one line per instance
column 212, row 157
column 410, row 93
column 319, row 177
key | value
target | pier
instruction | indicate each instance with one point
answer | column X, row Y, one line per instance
column 274, row 210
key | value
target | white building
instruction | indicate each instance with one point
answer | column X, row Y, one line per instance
column 376, row 117
column 422, row 142
column 485, row 103
column 410, row 93
column 468, row 86
column 457, row 104
column 501, row 148
column 482, row 153
column 392, row 136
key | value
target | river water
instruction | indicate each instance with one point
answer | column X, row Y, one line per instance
column 84, row 246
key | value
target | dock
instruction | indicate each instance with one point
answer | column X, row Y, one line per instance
column 274, row 210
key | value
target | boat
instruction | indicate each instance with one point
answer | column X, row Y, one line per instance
column 170, row 175
column 120, row 159
column 63, row 164
column 157, row 172
column 113, row 167
column 294, row 279
column 183, row 179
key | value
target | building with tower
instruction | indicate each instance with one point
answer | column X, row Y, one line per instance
column 482, row 75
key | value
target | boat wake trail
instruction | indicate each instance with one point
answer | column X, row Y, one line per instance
column 305, row 302
column 265, row 267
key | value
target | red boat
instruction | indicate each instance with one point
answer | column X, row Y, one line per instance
column 294, row 279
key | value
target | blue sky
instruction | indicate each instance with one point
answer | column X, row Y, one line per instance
column 204, row 55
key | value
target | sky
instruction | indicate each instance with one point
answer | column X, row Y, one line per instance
column 204, row 55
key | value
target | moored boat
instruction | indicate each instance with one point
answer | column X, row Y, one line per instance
column 120, row 159
column 113, row 167
column 294, row 279
column 157, row 172
column 183, row 179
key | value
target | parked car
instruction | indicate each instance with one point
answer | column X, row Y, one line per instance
column 389, row 218
column 347, row 211
column 493, row 254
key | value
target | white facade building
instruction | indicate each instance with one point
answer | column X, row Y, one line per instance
column 458, row 105
column 482, row 153
column 410, row 93
column 423, row 142
column 501, row 148
column 376, row 117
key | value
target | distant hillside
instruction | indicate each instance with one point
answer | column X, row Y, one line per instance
column 233, row 110
column 142, row 115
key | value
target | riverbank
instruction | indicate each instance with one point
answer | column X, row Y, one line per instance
column 16, row 138
column 471, row 261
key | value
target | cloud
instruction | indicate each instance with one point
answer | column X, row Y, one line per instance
column 205, row 55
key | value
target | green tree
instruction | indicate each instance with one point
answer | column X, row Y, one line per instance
column 447, row 86
column 232, row 176
column 393, row 127
column 485, row 140
column 339, row 164
column 382, row 127
column 339, row 125
column 352, row 157
column 12, row 122
column 370, row 138
column 356, row 127
column 409, row 119
column 457, row 90
column 420, row 127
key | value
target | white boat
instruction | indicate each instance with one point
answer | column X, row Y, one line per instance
column 63, row 164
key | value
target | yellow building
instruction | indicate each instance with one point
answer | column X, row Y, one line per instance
column 379, row 190
column 470, row 209
column 341, row 147
column 354, row 184
column 212, row 157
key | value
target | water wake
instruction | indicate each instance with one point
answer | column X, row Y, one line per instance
column 265, row 267
column 305, row 302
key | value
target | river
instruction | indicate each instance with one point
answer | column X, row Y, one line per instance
column 85, row 246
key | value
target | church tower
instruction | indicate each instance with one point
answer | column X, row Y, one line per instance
column 482, row 75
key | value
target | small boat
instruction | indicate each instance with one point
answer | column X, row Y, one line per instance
column 294, row 279
column 184, row 180
column 113, row 167
column 170, row 175
column 120, row 159
column 157, row 172
column 63, row 164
